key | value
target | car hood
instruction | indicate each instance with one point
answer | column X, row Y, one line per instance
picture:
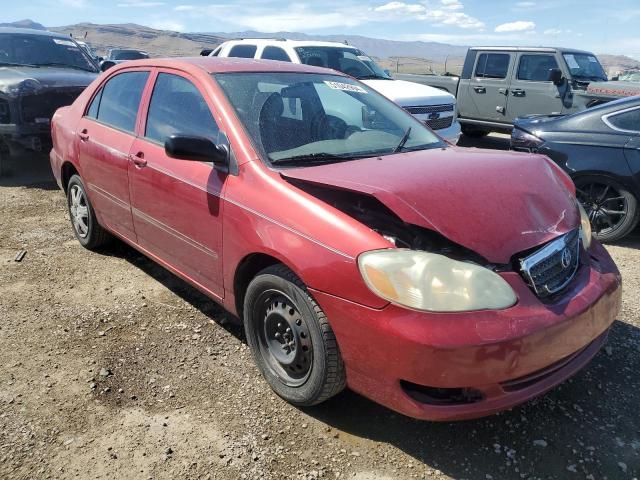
column 615, row 88
column 494, row 203
column 46, row 77
column 410, row 94
column 536, row 122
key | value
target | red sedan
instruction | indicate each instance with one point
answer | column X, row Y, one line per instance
column 357, row 246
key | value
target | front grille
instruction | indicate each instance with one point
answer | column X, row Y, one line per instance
column 551, row 268
column 440, row 123
column 44, row 105
column 429, row 109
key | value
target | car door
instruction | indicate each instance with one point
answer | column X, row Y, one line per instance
column 487, row 90
column 177, row 212
column 531, row 91
column 105, row 135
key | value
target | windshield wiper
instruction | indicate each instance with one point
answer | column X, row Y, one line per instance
column 373, row 77
column 403, row 140
column 14, row 64
column 315, row 159
column 66, row 65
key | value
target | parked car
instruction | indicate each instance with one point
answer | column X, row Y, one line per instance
column 39, row 72
column 119, row 55
column 630, row 76
column 600, row 149
column 89, row 51
column 442, row 282
column 432, row 106
column 500, row 84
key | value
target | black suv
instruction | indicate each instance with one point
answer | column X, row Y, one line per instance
column 39, row 72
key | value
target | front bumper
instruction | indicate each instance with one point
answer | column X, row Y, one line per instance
column 507, row 356
column 32, row 136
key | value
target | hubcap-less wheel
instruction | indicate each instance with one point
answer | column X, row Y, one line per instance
column 284, row 339
column 605, row 205
column 79, row 211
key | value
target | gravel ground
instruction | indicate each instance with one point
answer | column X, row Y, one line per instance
column 111, row 367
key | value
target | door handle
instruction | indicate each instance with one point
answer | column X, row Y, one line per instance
column 480, row 89
column 518, row 92
column 84, row 135
column 138, row 159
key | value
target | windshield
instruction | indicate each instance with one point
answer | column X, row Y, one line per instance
column 127, row 55
column 42, row 50
column 584, row 66
column 630, row 77
column 303, row 119
column 348, row 60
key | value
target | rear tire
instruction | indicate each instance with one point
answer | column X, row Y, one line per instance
column 612, row 209
column 291, row 340
column 85, row 225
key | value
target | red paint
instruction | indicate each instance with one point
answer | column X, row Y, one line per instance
column 201, row 224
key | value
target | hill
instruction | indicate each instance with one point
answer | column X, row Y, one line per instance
column 24, row 24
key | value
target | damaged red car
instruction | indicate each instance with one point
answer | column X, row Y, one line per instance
column 358, row 247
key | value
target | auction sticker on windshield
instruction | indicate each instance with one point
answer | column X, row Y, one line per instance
column 347, row 87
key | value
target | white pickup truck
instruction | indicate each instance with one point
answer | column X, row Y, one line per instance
column 435, row 107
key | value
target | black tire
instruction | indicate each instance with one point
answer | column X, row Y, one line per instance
column 303, row 365
column 89, row 233
column 612, row 209
column 474, row 132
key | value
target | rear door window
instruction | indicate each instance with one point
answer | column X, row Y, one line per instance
column 275, row 53
column 535, row 68
column 119, row 100
column 178, row 107
column 627, row 121
column 492, row 65
column 243, row 51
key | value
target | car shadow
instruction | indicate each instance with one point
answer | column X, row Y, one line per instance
column 588, row 424
column 29, row 169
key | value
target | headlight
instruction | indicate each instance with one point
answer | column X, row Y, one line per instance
column 585, row 231
column 523, row 140
column 431, row 282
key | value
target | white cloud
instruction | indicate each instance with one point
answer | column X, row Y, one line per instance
column 184, row 8
column 168, row 25
column 140, row 4
column 525, row 4
column 74, row 3
column 553, row 32
column 400, row 7
column 519, row 26
column 446, row 14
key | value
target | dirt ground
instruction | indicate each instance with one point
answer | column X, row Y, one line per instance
column 111, row 367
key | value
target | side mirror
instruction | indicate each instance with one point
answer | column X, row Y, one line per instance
column 387, row 71
column 200, row 149
column 106, row 65
column 615, row 79
column 205, row 52
column 99, row 59
column 555, row 76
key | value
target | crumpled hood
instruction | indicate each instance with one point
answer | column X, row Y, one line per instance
column 410, row 94
column 46, row 77
column 494, row 203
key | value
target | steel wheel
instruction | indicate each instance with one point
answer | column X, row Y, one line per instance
column 611, row 209
column 284, row 339
column 79, row 211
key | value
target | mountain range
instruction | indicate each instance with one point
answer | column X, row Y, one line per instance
column 403, row 56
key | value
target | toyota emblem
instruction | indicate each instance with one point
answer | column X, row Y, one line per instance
column 566, row 258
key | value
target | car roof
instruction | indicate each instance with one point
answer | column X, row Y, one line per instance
column 31, row 31
column 533, row 49
column 291, row 43
column 226, row 65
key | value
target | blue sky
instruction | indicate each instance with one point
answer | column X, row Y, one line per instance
column 590, row 24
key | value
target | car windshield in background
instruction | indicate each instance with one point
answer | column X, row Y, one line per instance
column 348, row 60
column 43, row 50
column 584, row 66
column 127, row 55
column 304, row 119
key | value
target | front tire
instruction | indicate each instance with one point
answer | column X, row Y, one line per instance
column 291, row 340
column 612, row 209
column 85, row 225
